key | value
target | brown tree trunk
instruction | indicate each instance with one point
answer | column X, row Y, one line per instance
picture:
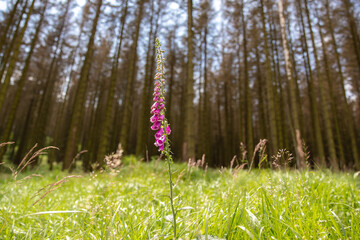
column 189, row 138
column 300, row 157
column 8, row 24
column 21, row 82
column 74, row 130
column 247, row 89
column 324, row 97
column 269, row 87
column 105, row 126
column 126, row 119
column 312, row 94
column 349, row 118
column 14, row 57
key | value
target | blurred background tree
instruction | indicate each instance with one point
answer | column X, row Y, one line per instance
column 79, row 75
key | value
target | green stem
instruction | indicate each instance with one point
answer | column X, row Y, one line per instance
column 171, row 197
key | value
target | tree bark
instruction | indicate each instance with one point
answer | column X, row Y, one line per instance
column 8, row 24
column 143, row 127
column 332, row 101
column 44, row 111
column 269, row 87
column 125, row 128
column 14, row 57
column 312, row 94
column 71, row 145
column 22, row 79
column 300, row 156
column 105, row 126
column 349, row 118
column 247, row 93
column 189, row 140
column 323, row 96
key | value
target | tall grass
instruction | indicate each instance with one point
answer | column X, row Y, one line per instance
column 132, row 203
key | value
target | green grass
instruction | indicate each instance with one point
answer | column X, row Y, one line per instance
column 132, row 204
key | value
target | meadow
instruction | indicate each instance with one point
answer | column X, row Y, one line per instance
column 132, row 203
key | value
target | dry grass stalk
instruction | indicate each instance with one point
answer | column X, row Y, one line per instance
column 158, row 160
column 257, row 147
column 261, row 148
column 26, row 161
column 181, row 174
column 52, row 187
column 283, row 159
column 114, row 160
column 190, row 165
column 202, row 160
column 300, row 150
column 38, row 153
column 200, row 163
column 237, row 168
column 243, row 152
column 306, row 153
column 262, row 152
column 28, row 177
column 77, row 156
column 232, row 162
column 241, row 166
column 26, row 156
column 6, row 143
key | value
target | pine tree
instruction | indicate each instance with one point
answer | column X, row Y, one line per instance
column 189, row 138
column 14, row 58
column 300, row 160
column 127, row 113
column 72, row 139
column 269, row 86
column 106, row 124
column 324, row 97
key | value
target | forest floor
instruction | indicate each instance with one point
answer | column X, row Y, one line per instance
column 132, row 203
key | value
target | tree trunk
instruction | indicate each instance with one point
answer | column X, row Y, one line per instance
column 105, row 126
column 172, row 62
column 312, row 94
column 45, row 104
column 71, row 144
column 22, row 79
column 324, row 97
column 8, row 24
column 354, row 33
column 269, row 87
column 144, row 116
column 278, row 90
column 332, row 101
column 300, row 157
column 204, row 124
column 247, row 93
column 189, row 140
column 260, row 91
column 14, row 57
column 348, row 117
column 125, row 128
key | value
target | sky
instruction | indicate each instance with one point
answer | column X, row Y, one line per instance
column 2, row 5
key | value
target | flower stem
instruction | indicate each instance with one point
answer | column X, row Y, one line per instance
column 164, row 125
column 171, row 198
